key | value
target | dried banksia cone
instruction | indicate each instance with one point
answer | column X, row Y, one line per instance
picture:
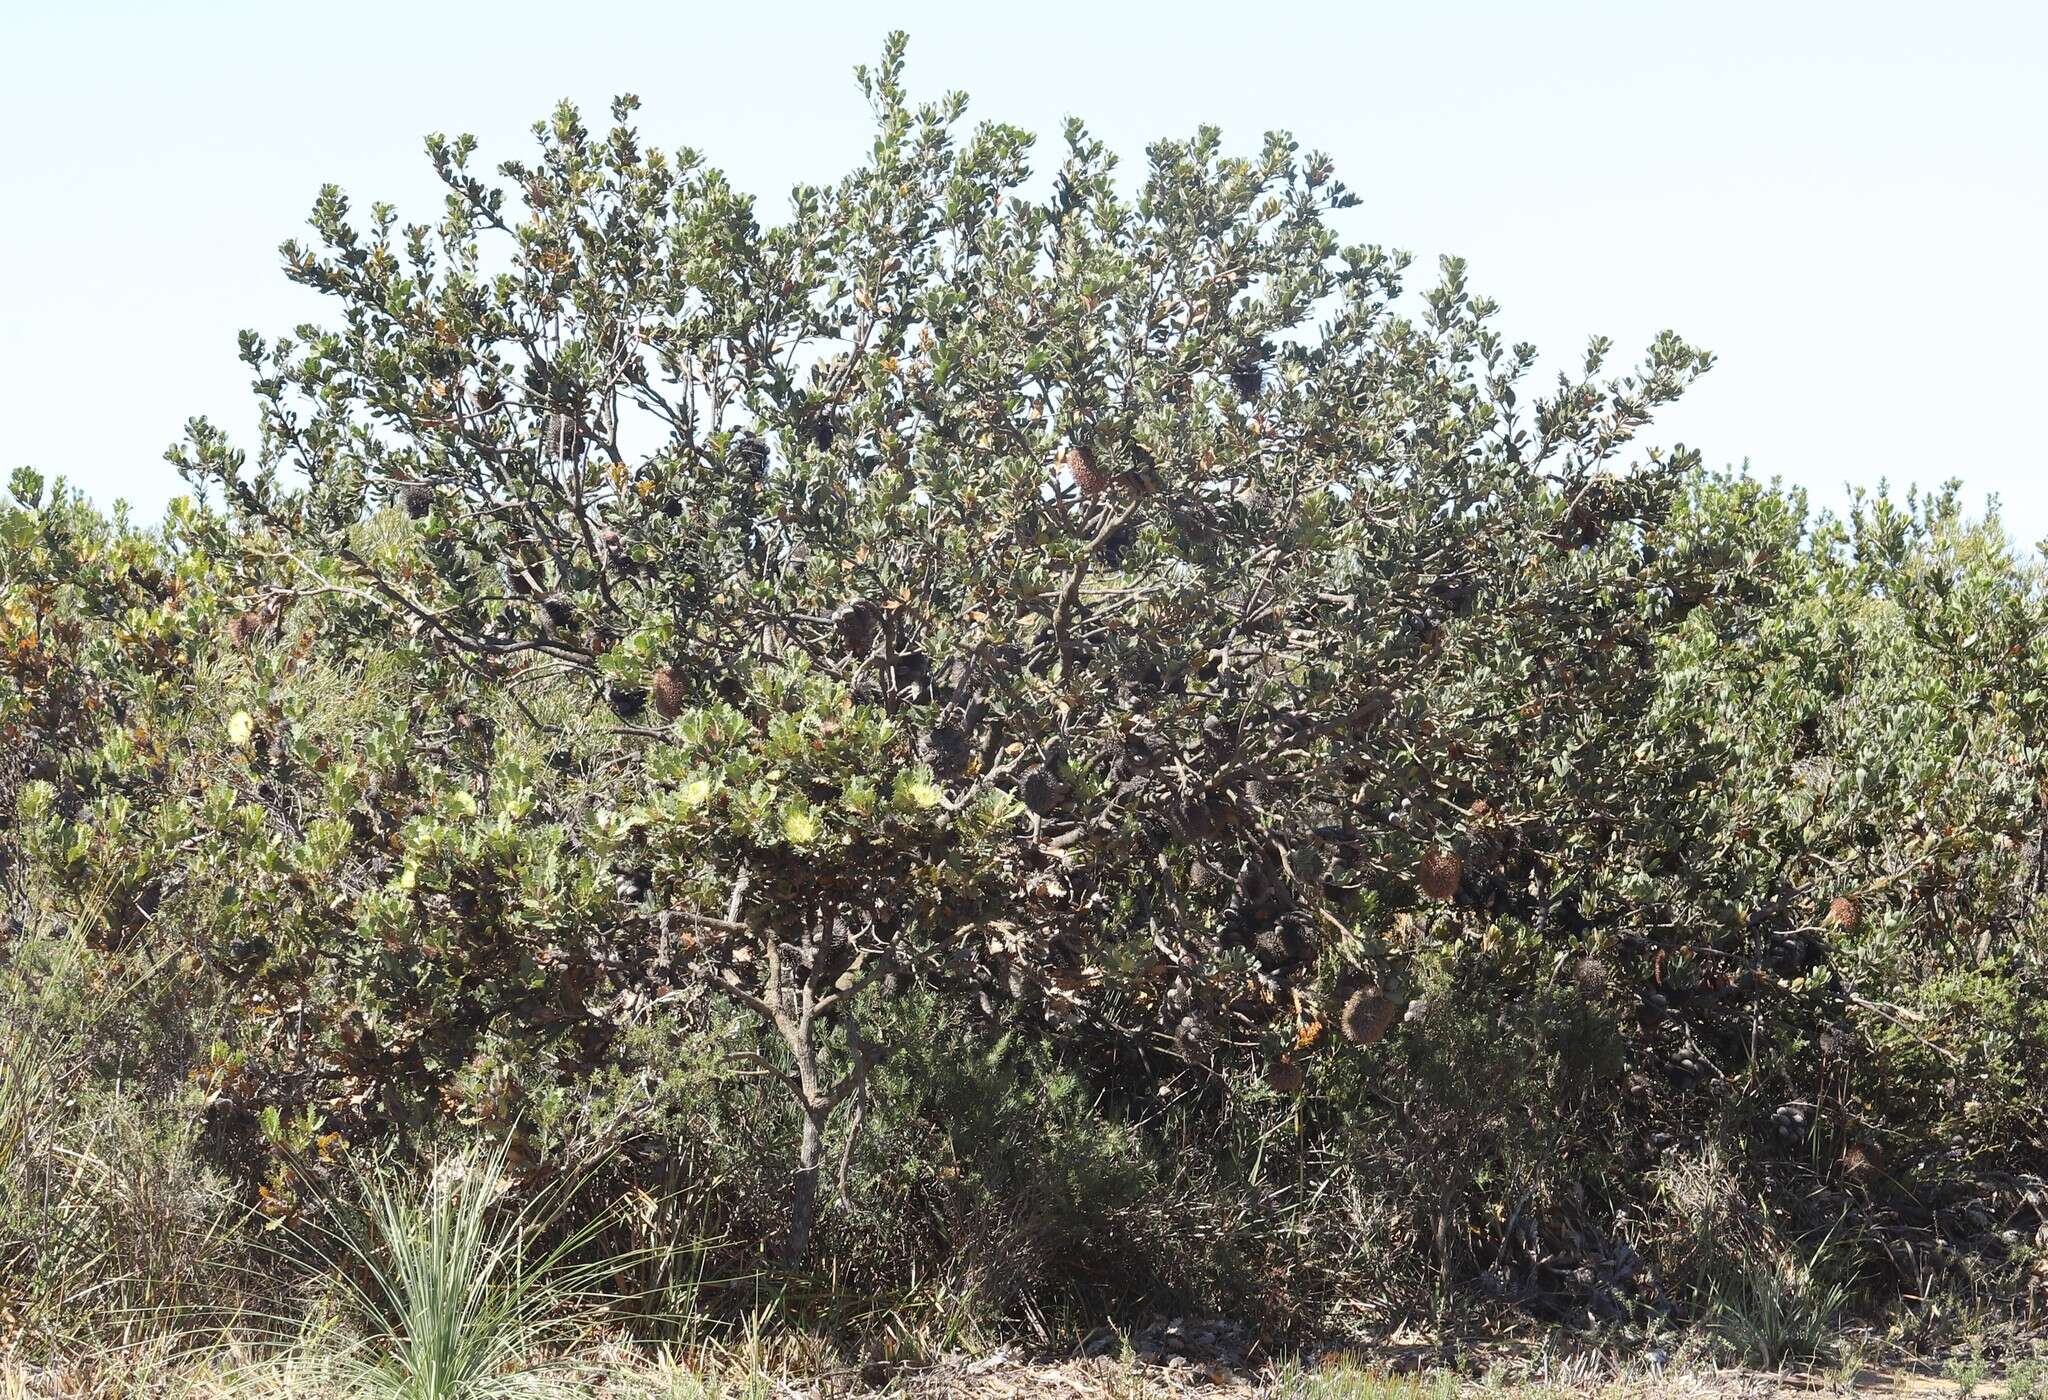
column 244, row 627
column 1086, row 470
column 1843, row 913
column 1367, row 1015
column 1130, row 755
column 1284, row 1077
column 946, row 749
column 1439, row 874
column 668, row 692
column 746, row 457
column 1279, row 944
column 1862, row 1161
column 560, row 609
column 561, row 436
column 1039, row 792
column 1593, row 978
column 1248, row 373
column 1372, row 708
column 1117, row 547
column 419, row 500
column 858, row 624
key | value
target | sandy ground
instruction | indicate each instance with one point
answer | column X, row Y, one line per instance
column 1000, row 1377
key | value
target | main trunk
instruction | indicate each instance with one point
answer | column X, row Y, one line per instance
column 803, row 1196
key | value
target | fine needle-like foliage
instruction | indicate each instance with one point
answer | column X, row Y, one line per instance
column 454, row 1289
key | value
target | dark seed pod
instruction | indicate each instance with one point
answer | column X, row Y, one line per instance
column 627, row 701
column 947, row 750
column 1367, row 1015
column 858, row 624
column 746, row 457
column 1132, row 755
column 1086, row 470
column 1197, row 819
column 1039, row 792
column 1279, row 944
column 1439, row 874
column 1284, row 1077
column 561, row 436
column 668, row 692
column 560, row 609
column 419, row 500
column 1248, row 375
column 1593, row 978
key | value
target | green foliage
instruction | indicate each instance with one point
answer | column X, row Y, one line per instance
column 1104, row 600
column 1103, row 735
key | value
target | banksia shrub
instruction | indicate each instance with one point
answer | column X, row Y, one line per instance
column 1368, row 1014
column 1439, row 874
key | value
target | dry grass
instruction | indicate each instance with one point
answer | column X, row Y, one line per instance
column 759, row 1364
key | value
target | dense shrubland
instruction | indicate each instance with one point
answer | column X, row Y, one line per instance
column 1028, row 757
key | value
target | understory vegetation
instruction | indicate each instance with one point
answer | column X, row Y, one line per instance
column 981, row 762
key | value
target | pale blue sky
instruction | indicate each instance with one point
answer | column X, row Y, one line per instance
column 1846, row 201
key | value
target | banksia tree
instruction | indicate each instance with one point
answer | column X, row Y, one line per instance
column 789, row 482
